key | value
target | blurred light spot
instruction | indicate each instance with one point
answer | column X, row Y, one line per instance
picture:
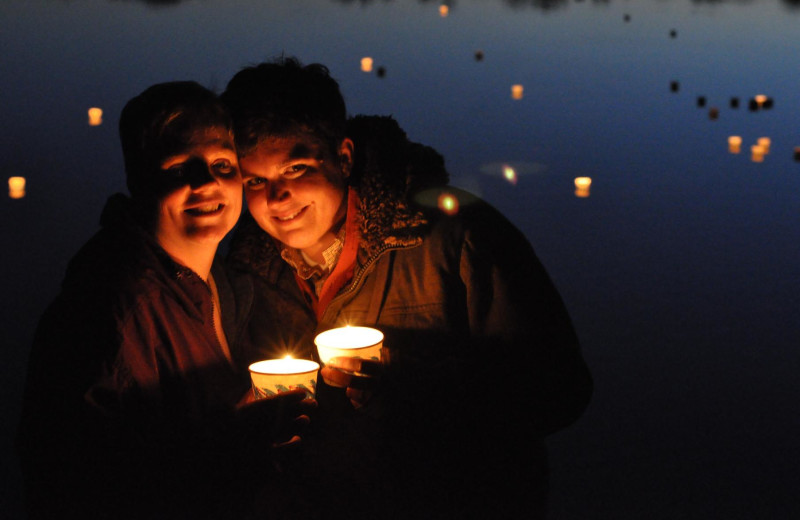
column 366, row 64
column 760, row 100
column 16, row 187
column 764, row 143
column 735, row 144
column 757, row 153
column 444, row 10
column 516, row 91
column 509, row 174
column 582, row 185
column 95, row 116
column 448, row 204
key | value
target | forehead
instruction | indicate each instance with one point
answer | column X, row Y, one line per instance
column 210, row 137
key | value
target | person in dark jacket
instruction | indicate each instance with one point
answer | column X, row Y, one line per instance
column 137, row 404
column 350, row 223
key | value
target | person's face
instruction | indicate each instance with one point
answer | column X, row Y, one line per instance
column 295, row 189
column 202, row 198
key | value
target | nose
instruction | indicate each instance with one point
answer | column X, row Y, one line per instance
column 198, row 174
column 278, row 191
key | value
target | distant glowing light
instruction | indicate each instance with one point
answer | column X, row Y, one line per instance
column 760, row 99
column 95, row 116
column 764, row 143
column 509, row 174
column 516, row 91
column 757, row 153
column 366, row 64
column 582, row 185
column 448, row 204
column 735, row 144
column 16, row 187
column 444, row 10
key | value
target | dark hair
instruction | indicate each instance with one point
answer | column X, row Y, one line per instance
column 284, row 98
column 161, row 121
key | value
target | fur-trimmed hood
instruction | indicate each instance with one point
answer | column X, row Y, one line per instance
column 388, row 170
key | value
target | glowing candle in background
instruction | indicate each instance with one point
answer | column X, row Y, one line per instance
column 448, row 204
column 757, row 153
column 764, row 143
column 95, row 116
column 444, row 10
column 366, row 64
column 516, row 91
column 735, row 144
column 16, row 187
column 760, row 100
column 509, row 174
column 582, row 185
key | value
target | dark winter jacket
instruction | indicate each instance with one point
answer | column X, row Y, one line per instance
column 129, row 403
column 483, row 358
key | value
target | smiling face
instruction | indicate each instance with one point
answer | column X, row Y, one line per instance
column 202, row 193
column 296, row 190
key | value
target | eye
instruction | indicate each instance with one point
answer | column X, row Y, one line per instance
column 254, row 183
column 224, row 167
column 295, row 170
column 177, row 170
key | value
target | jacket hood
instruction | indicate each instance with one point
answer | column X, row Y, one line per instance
column 388, row 170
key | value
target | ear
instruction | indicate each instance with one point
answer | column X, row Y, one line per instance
column 346, row 156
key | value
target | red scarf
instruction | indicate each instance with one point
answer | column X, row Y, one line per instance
column 345, row 266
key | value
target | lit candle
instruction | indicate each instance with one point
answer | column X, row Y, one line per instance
column 356, row 342
column 757, row 153
column 516, row 91
column 275, row 376
column 444, row 10
column 582, row 185
column 366, row 64
column 735, row 144
column 448, row 204
column 95, row 116
column 16, row 187
column 760, row 99
column 764, row 143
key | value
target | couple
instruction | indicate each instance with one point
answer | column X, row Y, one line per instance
column 137, row 403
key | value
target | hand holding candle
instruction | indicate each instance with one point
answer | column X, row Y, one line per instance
column 275, row 376
column 352, row 359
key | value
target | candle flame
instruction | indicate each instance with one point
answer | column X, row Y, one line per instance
column 509, row 174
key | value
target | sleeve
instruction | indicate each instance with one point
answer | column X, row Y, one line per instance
column 519, row 327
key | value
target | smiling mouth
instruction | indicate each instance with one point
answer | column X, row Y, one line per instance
column 289, row 218
column 202, row 211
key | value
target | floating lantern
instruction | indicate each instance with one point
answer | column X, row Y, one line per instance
column 764, row 143
column 16, row 187
column 757, row 153
column 760, row 100
column 448, row 204
column 582, row 185
column 354, row 342
column 366, row 64
column 95, row 116
column 444, row 10
column 509, row 174
column 516, row 91
column 735, row 144
column 275, row 376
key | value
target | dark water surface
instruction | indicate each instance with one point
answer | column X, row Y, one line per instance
column 681, row 269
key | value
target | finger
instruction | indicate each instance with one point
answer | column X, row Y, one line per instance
column 335, row 377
